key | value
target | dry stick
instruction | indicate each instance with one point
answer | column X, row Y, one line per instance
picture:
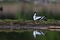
column 52, row 29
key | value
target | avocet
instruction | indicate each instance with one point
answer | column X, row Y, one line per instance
column 35, row 17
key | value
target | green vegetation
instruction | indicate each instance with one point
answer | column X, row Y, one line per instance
column 29, row 15
column 27, row 22
column 22, row 16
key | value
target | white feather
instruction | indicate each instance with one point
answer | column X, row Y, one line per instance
column 36, row 17
column 37, row 33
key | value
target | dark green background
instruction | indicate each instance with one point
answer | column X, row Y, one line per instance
column 27, row 35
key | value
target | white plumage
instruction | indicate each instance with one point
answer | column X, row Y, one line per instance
column 38, row 17
column 37, row 33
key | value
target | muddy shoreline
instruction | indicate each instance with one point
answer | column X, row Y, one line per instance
column 27, row 25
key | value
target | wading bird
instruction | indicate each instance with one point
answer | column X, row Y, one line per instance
column 37, row 33
column 35, row 17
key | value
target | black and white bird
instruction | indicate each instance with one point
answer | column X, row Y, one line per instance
column 35, row 17
column 37, row 33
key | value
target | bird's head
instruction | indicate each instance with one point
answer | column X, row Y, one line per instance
column 35, row 12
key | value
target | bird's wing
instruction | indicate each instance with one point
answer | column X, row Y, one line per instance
column 42, row 17
column 37, row 18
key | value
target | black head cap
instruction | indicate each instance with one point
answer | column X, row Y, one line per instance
column 35, row 12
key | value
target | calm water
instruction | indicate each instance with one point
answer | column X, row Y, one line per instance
column 27, row 35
